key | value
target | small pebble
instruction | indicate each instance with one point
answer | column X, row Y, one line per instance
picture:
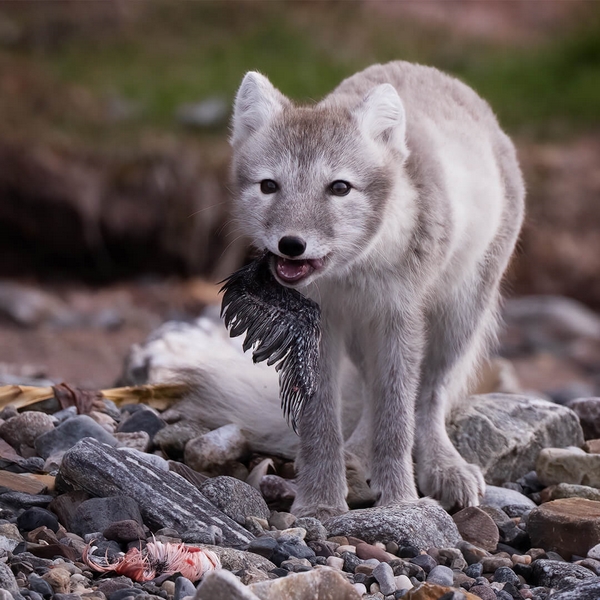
column 335, row 562
column 426, row 562
column 365, row 568
column 495, row 562
column 281, row 520
column 384, row 575
column 169, row 587
column 484, row 592
column 475, row 570
column 523, row 559
column 506, row 574
column 183, row 587
column 403, row 582
column 441, row 575
column 351, row 561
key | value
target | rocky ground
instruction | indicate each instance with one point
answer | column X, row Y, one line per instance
column 84, row 496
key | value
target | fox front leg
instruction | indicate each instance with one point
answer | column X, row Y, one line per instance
column 322, row 487
column 394, row 357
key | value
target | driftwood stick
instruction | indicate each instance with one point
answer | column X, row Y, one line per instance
column 159, row 395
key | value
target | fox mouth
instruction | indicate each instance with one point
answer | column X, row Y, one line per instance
column 292, row 271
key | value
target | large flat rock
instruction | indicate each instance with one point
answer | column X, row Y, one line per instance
column 504, row 433
column 165, row 499
column 422, row 524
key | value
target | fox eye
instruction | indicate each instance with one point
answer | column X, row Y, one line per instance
column 268, row 186
column 340, row 188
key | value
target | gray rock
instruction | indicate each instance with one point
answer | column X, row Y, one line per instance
column 313, row 585
column 10, row 537
column 25, row 428
column 65, row 413
column 28, row 306
column 183, row 587
column 235, row 498
column 546, row 320
column 568, row 490
column 384, row 574
column 506, row 526
column 7, row 579
column 568, row 465
column 558, row 574
column 453, row 558
column 506, row 575
column 423, row 525
column 97, row 514
column 173, row 438
column 69, row 432
column 472, row 553
column 215, row 448
column 128, row 594
column 23, row 500
column 282, row 520
column 585, row 590
column 484, row 591
column 235, row 560
column 278, row 492
column 500, row 497
column 594, row 552
column 109, row 586
column 504, row 433
column 198, row 537
column 223, row 585
column 156, row 461
column 136, row 440
column 142, row 420
column 588, row 411
column 315, row 532
column 441, row 575
column 127, row 530
column 425, row 561
column 39, row 585
column 164, row 498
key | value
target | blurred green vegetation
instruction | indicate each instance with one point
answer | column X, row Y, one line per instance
column 173, row 53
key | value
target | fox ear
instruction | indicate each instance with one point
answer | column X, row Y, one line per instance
column 256, row 102
column 382, row 117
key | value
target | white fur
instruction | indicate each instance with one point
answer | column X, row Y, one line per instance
column 381, row 116
column 414, row 254
column 256, row 102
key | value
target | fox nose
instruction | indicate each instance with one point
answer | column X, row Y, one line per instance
column 291, row 245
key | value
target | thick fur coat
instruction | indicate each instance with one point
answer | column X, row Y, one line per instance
column 395, row 203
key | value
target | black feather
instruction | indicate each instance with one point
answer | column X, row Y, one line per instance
column 282, row 327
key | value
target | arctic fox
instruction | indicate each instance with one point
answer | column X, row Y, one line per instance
column 395, row 203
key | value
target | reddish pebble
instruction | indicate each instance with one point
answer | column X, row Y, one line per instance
column 366, row 551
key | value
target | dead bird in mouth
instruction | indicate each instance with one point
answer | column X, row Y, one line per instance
column 281, row 325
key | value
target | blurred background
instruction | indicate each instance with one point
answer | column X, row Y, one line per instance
column 114, row 155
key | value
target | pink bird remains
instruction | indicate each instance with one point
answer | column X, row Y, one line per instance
column 156, row 559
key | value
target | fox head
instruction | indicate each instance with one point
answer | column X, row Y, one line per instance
column 312, row 182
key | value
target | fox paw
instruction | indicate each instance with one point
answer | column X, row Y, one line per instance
column 453, row 482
